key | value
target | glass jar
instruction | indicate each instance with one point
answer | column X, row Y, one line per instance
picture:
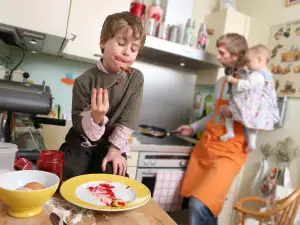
column 51, row 161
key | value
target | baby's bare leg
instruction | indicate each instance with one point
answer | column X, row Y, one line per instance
column 225, row 112
column 251, row 138
column 229, row 128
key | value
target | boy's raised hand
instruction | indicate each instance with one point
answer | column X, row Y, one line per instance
column 99, row 104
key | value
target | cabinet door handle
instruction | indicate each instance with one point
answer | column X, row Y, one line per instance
column 72, row 37
column 98, row 55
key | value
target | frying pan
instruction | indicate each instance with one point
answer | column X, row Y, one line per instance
column 157, row 132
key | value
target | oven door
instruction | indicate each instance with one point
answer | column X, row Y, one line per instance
column 147, row 176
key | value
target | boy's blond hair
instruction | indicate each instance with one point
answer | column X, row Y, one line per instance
column 236, row 45
column 261, row 50
column 117, row 21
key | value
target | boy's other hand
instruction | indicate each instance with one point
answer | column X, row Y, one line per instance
column 119, row 162
column 99, row 104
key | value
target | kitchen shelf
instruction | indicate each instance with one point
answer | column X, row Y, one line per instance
column 174, row 53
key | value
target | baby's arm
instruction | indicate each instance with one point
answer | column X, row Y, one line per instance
column 129, row 118
column 255, row 79
column 84, row 125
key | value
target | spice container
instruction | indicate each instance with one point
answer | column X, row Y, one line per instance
column 173, row 33
column 138, row 8
column 202, row 37
column 163, row 31
column 150, row 26
column 188, row 32
column 155, row 11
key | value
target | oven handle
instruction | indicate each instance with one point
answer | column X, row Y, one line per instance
column 154, row 171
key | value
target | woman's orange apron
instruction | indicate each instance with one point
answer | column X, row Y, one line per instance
column 214, row 164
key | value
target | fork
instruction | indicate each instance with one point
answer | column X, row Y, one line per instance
column 116, row 82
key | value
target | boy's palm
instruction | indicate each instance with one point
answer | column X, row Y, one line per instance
column 99, row 104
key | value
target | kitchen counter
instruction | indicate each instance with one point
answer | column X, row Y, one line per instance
column 149, row 214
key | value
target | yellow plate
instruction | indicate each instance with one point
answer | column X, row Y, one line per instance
column 75, row 185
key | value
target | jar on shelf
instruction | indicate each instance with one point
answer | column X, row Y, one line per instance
column 155, row 11
column 138, row 8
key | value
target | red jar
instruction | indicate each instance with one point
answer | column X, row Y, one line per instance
column 51, row 161
column 138, row 9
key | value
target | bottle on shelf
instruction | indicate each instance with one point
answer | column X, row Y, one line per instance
column 188, row 32
column 155, row 11
column 202, row 37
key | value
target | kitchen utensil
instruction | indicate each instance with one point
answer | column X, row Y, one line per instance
column 55, row 219
column 157, row 132
column 7, row 157
column 26, row 203
column 123, row 73
column 96, row 192
column 26, row 98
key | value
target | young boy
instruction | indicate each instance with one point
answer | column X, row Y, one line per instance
column 98, row 140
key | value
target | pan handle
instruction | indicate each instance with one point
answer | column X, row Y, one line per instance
column 174, row 132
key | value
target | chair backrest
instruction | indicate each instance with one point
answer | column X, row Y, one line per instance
column 283, row 213
column 289, row 207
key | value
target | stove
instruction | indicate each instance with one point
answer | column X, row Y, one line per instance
column 170, row 140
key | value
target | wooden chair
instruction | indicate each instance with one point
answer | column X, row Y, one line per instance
column 286, row 209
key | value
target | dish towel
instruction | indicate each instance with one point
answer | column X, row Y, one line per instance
column 167, row 190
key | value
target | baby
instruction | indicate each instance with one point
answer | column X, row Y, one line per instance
column 254, row 101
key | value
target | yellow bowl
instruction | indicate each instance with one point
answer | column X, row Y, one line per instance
column 26, row 203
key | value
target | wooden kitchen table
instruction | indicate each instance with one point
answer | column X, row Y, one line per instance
column 149, row 214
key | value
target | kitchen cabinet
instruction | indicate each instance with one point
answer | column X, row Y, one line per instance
column 43, row 16
column 225, row 21
column 85, row 22
column 222, row 22
column 227, row 215
column 131, row 171
column 132, row 162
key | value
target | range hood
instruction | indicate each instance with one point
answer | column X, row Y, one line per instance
column 173, row 53
column 32, row 40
